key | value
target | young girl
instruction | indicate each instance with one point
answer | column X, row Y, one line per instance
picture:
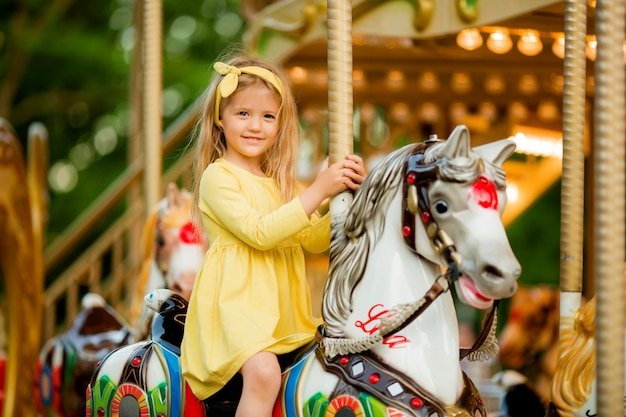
column 250, row 300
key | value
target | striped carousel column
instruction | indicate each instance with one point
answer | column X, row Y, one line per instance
column 573, row 178
column 152, row 124
column 572, row 193
column 340, row 142
column 608, row 144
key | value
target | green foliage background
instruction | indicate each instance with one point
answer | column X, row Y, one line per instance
column 62, row 63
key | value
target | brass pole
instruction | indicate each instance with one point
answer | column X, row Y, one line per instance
column 340, row 139
column 573, row 178
column 572, row 184
column 152, row 80
column 609, row 196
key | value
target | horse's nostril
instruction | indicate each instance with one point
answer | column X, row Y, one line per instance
column 491, row 271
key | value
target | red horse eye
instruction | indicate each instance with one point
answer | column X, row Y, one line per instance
column 189, row 234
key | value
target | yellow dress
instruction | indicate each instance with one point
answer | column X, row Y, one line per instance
column 251, row 293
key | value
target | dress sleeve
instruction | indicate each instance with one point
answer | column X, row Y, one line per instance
column 316, row 238
column 223, row 199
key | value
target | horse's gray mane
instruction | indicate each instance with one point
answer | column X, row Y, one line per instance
column 351, row 244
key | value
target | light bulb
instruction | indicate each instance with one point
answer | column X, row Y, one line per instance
column 529, row 43
column 591, row 49
column 469, row 39
column 558, row 47
column 499, row 41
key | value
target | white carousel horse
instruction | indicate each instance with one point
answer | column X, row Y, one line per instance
column 389, row 345
column 173, row 251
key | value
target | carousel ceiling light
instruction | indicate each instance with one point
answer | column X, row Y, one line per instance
column 538, row 142
column 367, row 112
column 558, row 47
column 400, row 113
column 557, row 81
column 591, row 49
column 395, row 79
column 499, row 41
column 494, row 84
column 528, row 84
column 518, row 111
column 298, row 74
column 548, row 111
column 358, row 79
column 429, row 112
column 529, row 43
column 428, row 82
column 469, row 39
column 488, row 110
column 457, row 112
column 461, row 82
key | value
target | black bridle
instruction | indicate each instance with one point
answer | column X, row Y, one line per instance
column 417, row 179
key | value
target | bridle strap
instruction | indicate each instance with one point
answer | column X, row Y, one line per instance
column 417, row 178
column 484, row 334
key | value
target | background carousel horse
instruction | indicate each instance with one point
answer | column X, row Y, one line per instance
column 173, row 251
column 67, row 362
column 23, row 214
column 529, row 341
column 573, row 387
column 389, row 346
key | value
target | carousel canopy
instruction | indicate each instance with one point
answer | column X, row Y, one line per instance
column 422, row 67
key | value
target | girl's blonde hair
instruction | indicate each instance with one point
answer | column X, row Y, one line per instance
column 279, row 162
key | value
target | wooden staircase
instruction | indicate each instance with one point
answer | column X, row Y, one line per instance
column 110, row 264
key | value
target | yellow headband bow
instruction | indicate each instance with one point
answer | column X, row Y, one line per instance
column 229, row 83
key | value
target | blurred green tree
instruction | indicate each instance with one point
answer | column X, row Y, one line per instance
column 68, row 64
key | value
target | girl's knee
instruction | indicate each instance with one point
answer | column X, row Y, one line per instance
column 262, row 372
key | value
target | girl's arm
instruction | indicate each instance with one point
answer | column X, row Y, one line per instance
column 224, row 201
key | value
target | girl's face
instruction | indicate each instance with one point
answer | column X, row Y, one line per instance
column 250, row 124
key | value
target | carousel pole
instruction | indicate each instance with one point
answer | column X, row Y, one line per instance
column 609, row 216
column 572, row 187
column 573, row 178
column 152, row 125
column 340, row 136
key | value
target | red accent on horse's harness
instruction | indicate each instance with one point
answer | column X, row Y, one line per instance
column 189, row 234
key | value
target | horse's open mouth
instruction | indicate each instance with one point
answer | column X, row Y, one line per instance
column 471, row 295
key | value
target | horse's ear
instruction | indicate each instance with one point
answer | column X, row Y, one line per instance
column 496, row 152
column 173, row 195
column 458, row 143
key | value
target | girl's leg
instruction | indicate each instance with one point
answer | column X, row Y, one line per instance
column 261, row 383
